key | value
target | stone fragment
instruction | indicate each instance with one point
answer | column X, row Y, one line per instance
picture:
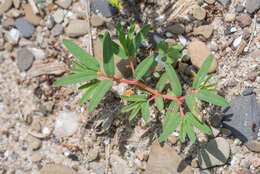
column 199, row 13
column 36, row 157
column 210, row 1
column 119, row 166
column 5, row 6
column 59, row 16
column 225, row 132
column 155, row 38
column 216, row 153
column 78, row 9
column 92, row 154
column 198, row 51
column 165, row 160
column 244, row 20
column 13, row 36
column 103, row 6
column 176, row 29
column 255, row 146
column 97, row 21
column 252, row 5
column 252, row 76
column 56, row 169
column 230, row 17
column 16, row 3
column 30, row 16
column 64, row 3
column 26, row 29
column 97, row 167
column 33, row 142
column 241, row 47
column 237, row 42
column 8, row 23
column 57, row 30
column 38, row 53
column 24, row 59
column 66, row 124
column 204, row 30
column 50, row 22
column 239, row 9
column 76, row 28
column 36, row 125
column 225, row 3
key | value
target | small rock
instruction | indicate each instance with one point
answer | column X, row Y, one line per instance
column 64, row 3
column 198, row 51
column 66, row 124
column 76, row 28
column 225, row 3
column 199, row 13
column 38, row 53
column 78, row 9
column 237, row 42
column 36, row 157
column 50, row 22
column 252, row 76
column 216, row 153
column 244, row 20
column 230, row 30
column 248, row 91
column 13, row 36
column 255, row 146
column 36, row 125
column 195, row 163
column 215, row 131
column 241, row 47
column 56, row 169
column 93, row 154
column 57, row 30
column 24, row 59
column 182, row 67
column 256, row 162
column 225, row 132
column 239, row 9
column 8, row 23
column 97, row 168
column 182, row 39
column 210, row 1
column 104, row 7
column 119, row 166
column 16, row 3
column 230, row 17
column 59, row 16
column 173, row 139
column 97, row 21
column 176, row 29
column 34, row 143
column 155, row 38
column 204, row 30
column 26, row 29
column 252, row 5
column 5, row 6
column 30, row 16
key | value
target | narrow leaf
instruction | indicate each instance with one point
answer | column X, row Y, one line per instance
column 145, row 111
column 159, row 103
column 84, row 57
column 78, row 65
column 161, row 83
column 162, row 48
column 135, row 112
column 76, row 70
column 130, row 107
column 174, row 81
column 76, row 78
column 130, row 34
column 190, row 131
column 144, row 67
column 191, row 103
column 99, row 93
column 174, row 106
column 195, row 122
column 211, row 98
column 202, row 72
column 87, row 94
column 177, row 47
column 209, row 86
column 183, row 131
column 206, row 81
column 108, row 56
column 134, row 98
column 85, row 86
column 121, row 36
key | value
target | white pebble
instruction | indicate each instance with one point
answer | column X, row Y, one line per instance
column 182, row 39
column 237, row 41
column 168, row 34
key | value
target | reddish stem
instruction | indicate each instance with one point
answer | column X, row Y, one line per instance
column 131, row 64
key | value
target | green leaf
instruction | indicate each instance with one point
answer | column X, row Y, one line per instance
column 121, row 36
column 162, row 48
column 108, row 55
column 202, row 72
column 76, row 70
column 206, row 81
column 130, row 34
column 175, row 54
column 84, row 57
column 174, row 81
column 85, row 86
column 171, row 121
column 144, row 67
column 211, row 98
column 190, row 131
column 135, row 112
column 136, row 98
column 130, row 107
column 209, row 86
column 174, row 106
column 78, row 65
column 168, row 60
column 87, row 94
column 145, row 111
column 99, row 93
column 183, row 131
column 156, row 74
column 76, row 78
column 195, row 122
column 191, row 103
column 177, row 47
column 161, row 83
column 159, row 103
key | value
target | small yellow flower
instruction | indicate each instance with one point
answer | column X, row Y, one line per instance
column 115, row 3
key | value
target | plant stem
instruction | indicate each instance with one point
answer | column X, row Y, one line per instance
column 131, row 64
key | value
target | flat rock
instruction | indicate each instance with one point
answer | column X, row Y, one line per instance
column 165, row 160
column 176, row 29
column 252, row 5
column 97, row 21
column 8, row 23
column 66, row 124
column 30, row 16
column 24, row 59
column 243, row 118
column 59, row 15
column 36, row 157
column 16, row 3
column 4, row 6
column 199, row 13
column 216, row 153
column 56, row 169
column 77, row 28
column 57, row 30
column 244, row 20
column 33, row 142
column 26, row 29
column 198, row 51
column 204, row 30
column 64, row 3
column 104, row 7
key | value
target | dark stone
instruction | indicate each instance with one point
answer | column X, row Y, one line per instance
column 26, row 29
column 228, row 31
column 243, row 118
column 252, row 6
column 24, row 59
column 189, row 70
column 104, row 7
column 155, row 38
column 73, row 157
column 248, row 91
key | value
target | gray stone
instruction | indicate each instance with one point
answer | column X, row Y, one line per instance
column 97, row 168
column 252, row 5
column 77, row 28
column 216, row 153
column 92, row 154
column 24, row 59
column 155, row 38
column 34, row 143
column 26, row 29
column 248, row 91
column 243, row 118
column 225, row 3
column 57, row 30
column 176, row 29
column 56, row 169
column 97, row 21
column 104, row 7
column 204, row 30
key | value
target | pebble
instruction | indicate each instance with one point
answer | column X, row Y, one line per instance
column 248, row 91
column 97, row 167
column 244, row 20
column 26, row 29
column 198, row 51
column 237, row 41
column 225, row 3
column 252, row 5
column 173, row 139
column 76, row 28
column 92, row 154
column 50, row 22
column 8, row 23
column 216, row 153
column 5, row 6
column 33, row 142
column 16, row 3
column 97, row 21
column 199, row 13
column 38, row 53
column 57, row 30
column 230, row 30
column 36, row 157
column 155, row 38
column 225, row 132
column 176, row 29
column 255, row 146
column 30, row 16
column 182, row 39
column 230, row 17
column 24, row 59
column 36, row 125
column 66, row 124
column 64, row 3
column 210, row 1
column 56, row 169
column 103, row 6
column 59, row 15
column 252, row 76
column 204, row 30
column 13, row 36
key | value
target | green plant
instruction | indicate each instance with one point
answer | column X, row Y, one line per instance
column 89, row 69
